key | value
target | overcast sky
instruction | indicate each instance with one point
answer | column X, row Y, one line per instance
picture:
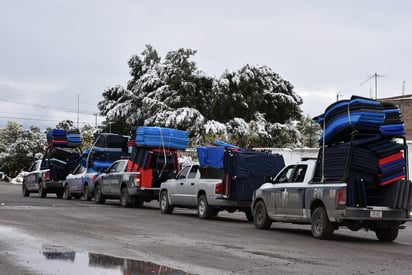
column 58, row 55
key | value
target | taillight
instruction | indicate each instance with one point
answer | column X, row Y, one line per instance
column 341, row 197
column 137, row 180
column 94, row 178
column 219, row 188
column 47, row 175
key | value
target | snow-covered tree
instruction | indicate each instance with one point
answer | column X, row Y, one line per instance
column 19, row 147
column 250, row 107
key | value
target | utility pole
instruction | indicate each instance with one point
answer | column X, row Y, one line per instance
column 375, row 75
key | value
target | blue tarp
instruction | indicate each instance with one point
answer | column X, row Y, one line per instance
column 162, row 137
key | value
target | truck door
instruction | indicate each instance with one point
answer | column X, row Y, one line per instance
column 116, row 178
column 181, row 181
column 189, row 186
column 76, row 182
column 295, row 192
column 32, row 178
column 108, row 177
column 278, row 192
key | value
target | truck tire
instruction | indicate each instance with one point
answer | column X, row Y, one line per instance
column 388, row 233
column 322, row 228
column 98, row 196
column 59, row 194
column 42, row 192
column 25, row 191
column 204, row 211
column 86, row 193
column 260, row 216
column 165, row 207
column 66, row 193
column 125, row 199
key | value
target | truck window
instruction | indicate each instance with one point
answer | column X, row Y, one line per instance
column 193, row 172
column 183, row 173
column 285, row 175
column 113, row 168
column 299, row 173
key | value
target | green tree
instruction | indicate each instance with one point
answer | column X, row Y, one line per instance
column 251, row 107
column 19, row 147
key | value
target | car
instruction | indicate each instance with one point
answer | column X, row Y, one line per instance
column 80, row 183
column 2, row 176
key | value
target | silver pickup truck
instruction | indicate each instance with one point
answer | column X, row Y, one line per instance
column 190, row 190
column 293, row 197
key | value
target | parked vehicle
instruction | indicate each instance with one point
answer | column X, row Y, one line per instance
column 359, row 180
column 107, row 148
column 293, row 197
column 80, row 183
column 60, row 158
column 137, row 179
column 211, row 190
column 190, row 190
column 2, row 176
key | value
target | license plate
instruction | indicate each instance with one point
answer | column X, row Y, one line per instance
column 376, row 214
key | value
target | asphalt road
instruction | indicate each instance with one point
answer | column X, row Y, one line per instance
column 55, row 236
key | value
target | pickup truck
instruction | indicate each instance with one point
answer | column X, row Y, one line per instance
column 137, row 179
column 190, row 190
column 38, row 180
column 116, row 183
column 293, row 196
column 60, row 158
column 80, row 183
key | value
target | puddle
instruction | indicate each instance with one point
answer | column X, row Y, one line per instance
column 55, row 259
column 71, row 262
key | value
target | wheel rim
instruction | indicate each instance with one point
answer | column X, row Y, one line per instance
column 259, row 213
column 163, row 200
column 123, row 197
column 97, row 195
column 202, row 206
column 318, row 224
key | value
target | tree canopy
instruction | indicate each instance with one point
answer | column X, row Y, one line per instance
column 252, row 106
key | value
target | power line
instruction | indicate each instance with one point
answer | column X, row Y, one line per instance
column 51, row 107
column 45, row 120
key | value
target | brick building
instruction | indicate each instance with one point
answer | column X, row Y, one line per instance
column 404, row 102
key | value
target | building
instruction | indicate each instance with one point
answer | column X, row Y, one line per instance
column 404, row 102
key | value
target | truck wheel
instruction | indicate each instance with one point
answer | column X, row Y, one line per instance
column 322, row 228
column 125, row 198
column 260, row 216
column 59, row 194
column 98, row 196
column 26, row 192
column 388, row 233
column 204, row 211
column 86, row 193
column 42, row 192
column 164, row 204
column 66, row 194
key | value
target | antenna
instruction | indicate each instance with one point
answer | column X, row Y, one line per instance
column 375, row 75
column 338, row 95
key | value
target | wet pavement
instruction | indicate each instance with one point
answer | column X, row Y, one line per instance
column 31, row 255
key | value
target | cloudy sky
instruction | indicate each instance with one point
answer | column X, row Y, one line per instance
column 58, row 56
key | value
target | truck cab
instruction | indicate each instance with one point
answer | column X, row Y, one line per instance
column 295, row 196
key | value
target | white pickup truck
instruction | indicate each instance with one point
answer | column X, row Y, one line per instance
column 190, row 190
column 295, row 197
